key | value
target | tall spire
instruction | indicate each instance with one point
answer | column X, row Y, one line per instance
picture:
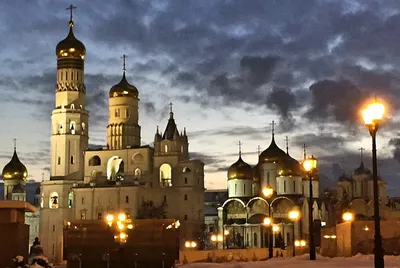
column 287, row 145
column 157, row 130
column 304, row 151
column 71, row 8
column 15, row 144
column 273, row 129
column 361, row 153
column 124, row 63
column 240, row 148
column 171, row 114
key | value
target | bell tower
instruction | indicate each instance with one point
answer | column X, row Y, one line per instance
column 69, row 119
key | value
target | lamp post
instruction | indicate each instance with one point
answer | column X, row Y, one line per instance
column 294, row 215
column 268, row 192
column 216, row 239
column 372, row 116
column 310, row 166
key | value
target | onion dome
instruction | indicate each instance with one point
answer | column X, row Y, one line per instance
column 362, row 170
column 15, row 170
column 287, row 165
column 71, row 47
column 124, row 89
column 18, row 189
column 240, row 170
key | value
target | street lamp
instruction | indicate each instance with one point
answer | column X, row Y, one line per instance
column 268, row 192
column 310, row 166
column 373, row 115
column 348, row 216
column 294, row 215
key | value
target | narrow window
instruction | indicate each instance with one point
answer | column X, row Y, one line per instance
column 83, row 200
column 182, row 149
column 54, row 228
column 66, row 75
column 165, row 198
column 72, row 75
column 284, row 186
column 185, row 197
column 72, row 159
column 166, row 148
column 244, row 189
column 294, row 186
column 62, row 75
column 99, row 216
column 185, row 180
column 59, row 160
column 127, row 113
column 235, row 188
column 53, row 251
column 186, row 216
column 126, row 199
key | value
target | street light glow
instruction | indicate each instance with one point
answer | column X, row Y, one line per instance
column 310, row 164
column 348, row 216
column 267, row 221
column 373, row 113
column 110, row 217
column 193, row 244
column 275, row 228
column 294, row 215
column 213, row 238
column 267, row 191
column 121, row 217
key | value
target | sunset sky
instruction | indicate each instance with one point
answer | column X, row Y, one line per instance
column 229, row 68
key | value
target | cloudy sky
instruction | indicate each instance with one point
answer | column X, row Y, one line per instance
column 229, row 67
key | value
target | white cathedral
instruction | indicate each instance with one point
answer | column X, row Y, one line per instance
column 87, row 184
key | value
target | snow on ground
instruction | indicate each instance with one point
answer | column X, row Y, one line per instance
column 358, row 261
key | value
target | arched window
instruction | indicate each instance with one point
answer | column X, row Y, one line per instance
column 72, row 127
column 115, row 169
column 83, row 126
column 165, row 175
column 72, row 106
column 255, row 239
column 95, row 161
column 53, row 201
column 186, row 169
column 166, row 148
column 70, row 199
column 138, row 173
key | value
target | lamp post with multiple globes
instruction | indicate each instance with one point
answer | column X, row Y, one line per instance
column 372, row 116
column 294, row 215
column 268, row 192
column 310, row 166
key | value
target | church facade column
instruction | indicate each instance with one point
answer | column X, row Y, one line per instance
column 220, row 225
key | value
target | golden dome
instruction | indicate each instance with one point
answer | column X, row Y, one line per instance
column 124, row 89
column 70, row 47
column 15, row 170
column 240, row 170
column 286, row 165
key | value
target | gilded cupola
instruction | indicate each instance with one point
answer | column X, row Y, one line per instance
column 240, row 170
column 15, row 170
column 286, row 164
column 123, row 88
column 71, row 47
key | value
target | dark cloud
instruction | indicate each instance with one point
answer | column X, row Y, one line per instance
column 258, row 70
column 335, row 100
column 395, row 142
column 283, row 101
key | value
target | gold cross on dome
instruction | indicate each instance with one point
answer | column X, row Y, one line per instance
column 273, row 128
column 361, row 153
column 124, row 62
column 71, row 8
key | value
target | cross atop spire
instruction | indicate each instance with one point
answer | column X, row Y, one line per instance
column 287, row 144
column 71, row 8
column 258, row 149
column 15, row 144
column 273, row 128
column 361, row 153
column 171, row 114
column 240, row 148
column 304, row 151
column 124, row 62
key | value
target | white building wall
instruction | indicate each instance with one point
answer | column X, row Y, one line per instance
column 240, row 188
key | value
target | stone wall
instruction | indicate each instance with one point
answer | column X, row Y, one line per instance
column 358, row 237
column 228, row 255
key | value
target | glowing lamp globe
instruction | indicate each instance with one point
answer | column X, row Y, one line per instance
column 267, row 191
column 310, row 164
column 294, row 215
column 348, row 216
column 373, row 113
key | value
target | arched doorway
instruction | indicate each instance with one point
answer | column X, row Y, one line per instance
column 115, row 169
